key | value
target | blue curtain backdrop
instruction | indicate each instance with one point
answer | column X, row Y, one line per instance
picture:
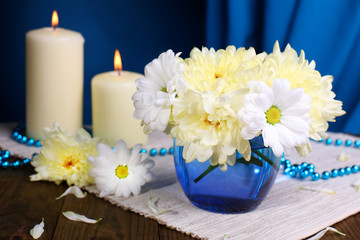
column 327, row 30
column 140, row 29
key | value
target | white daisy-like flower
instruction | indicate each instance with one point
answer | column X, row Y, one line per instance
column 279, row 113
column 121, row 171
column 156, row 92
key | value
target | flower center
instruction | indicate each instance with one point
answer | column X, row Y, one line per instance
column 121, row 171
column 218, row 75
column 208, row 122
column 273, row 115
column 70, row 162
column 163, row 89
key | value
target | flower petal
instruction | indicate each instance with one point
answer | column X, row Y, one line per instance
column 322, row 233
column 154, row 208
column 73, row 190
column 313, row 189
column 357, row 185
column 343, row 156
column 37, row 230
column 79, row 218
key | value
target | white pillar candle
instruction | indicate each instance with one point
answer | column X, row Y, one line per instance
column 54, row 79
column 113, row 109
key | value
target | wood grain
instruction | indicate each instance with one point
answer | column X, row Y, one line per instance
column 23, row 204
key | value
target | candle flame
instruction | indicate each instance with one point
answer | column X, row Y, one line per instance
column 55, row 19
column 117, row 61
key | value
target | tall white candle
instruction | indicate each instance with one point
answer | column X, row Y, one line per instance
column 113, row 109
column 54, row 79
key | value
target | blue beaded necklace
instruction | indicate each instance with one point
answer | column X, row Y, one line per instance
column 305, row 170
column 302, row 171
column 18, row 134
column 4, row 160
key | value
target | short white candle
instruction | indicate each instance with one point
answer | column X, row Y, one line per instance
column 113, row 109
column 54, row 79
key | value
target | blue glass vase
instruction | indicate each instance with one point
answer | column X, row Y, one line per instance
column 239, row 189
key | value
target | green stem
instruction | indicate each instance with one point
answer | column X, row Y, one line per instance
column 253, row 160
column 265, row 158
column 209, row 169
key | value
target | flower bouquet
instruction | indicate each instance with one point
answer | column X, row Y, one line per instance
column 232, row 114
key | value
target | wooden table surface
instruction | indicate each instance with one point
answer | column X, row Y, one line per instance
column 23, row 204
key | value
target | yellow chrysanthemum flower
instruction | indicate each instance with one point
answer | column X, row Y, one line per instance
column 207, row 126
column 302, row 74
column 221, row 71
column 63, row 157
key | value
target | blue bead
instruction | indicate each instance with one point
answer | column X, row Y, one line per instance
column 30, row 142
column 143, row 150
column 328, row 141
column 341, row 172
column 355, row 168
column 26, row 160
column 171, row 150
column 37, row 143
column 5, row 164
column 304, row 174
column 288, row 166
column 311, row 170
column 296, row 168
column 6, row 154
column 15, row 134
column 321, row 140
column 287, row 162
column 1, row 158
column 292, row 173
column 162, row 152
column 310, row 166
column 348, row 143
column 348, row 170
column 153, row 152
column 23, row 139
column 282, row 161
column 315, row 176
column 325, row 175
column 334, row 173
column 304, row 165
column 338, row 142
column 16, row 164
column 19, row 137
column 287, row 171
column 357, row 143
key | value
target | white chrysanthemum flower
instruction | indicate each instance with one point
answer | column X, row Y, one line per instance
column 207, row 127
column 156, row 92
column 121, row 171
column 279, row 113
column 63, row 157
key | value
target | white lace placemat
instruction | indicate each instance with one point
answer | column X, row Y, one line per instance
column 286, row 213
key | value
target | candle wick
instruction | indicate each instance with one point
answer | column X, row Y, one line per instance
column 54, row 28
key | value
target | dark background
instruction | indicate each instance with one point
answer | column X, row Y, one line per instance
column 140, row 29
